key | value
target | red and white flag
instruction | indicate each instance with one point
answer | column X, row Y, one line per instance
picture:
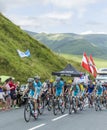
column 92, row 66
column 85, row 62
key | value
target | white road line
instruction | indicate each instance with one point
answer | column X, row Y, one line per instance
column 103, row 108
column 59, row 117
column 86, row 105
column 38, row 126
column 65, row 114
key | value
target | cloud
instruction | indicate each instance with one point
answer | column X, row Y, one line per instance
column 80, row 6
column 45, row 14
column 71, row 4
column 6, row 5
column 65, row 4
column 94, row 23
column 92, row 32
column 43, row 21
column 2, row 6
column 60, row 16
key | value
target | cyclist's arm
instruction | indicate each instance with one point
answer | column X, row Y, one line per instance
column 26, row 90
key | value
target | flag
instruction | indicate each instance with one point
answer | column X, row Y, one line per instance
column 93, row 66
column 23, row 54
column 93, row 63
column 85, row 62
column 27, row 53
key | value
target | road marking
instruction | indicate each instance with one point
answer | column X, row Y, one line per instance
column 86, row 105
column 33, row 128
column 65, row 114
column 59, row 117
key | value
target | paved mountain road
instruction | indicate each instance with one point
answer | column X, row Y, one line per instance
column 88, row 119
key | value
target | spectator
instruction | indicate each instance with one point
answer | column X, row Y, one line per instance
column 18, row 93
column 7, row 94
column 2, row 100
column 13, row 92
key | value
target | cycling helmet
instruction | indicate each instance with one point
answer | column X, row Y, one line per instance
column 37, row 77
column 58, row 79
column 47, row 81
column 73, row 83
column 51, row 80
column 30, row 80
column 99, row 83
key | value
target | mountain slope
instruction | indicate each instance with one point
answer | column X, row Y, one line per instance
column 41, row 62
column 69, row 43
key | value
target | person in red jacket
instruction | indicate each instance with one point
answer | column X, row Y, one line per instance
column 13, row 92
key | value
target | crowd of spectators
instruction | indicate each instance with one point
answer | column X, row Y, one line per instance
column 8, row 95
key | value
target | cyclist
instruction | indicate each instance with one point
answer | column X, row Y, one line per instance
column 38, row 88
column 99, row 89
column 39, row 85
column 47, row 86
column 31, row 90
column 99, row 92
column 75, row 90
column 90, row 90
column 58, row 87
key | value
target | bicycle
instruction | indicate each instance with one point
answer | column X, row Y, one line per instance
column 47, row 100
column 72, row 104
column 98, row 103
column 104, row 101
column 66, row 100
column 80, row 103
column 58, row 105
column 29, row 110
column 90, row 100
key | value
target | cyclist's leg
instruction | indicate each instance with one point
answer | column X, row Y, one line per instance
column 36, row 103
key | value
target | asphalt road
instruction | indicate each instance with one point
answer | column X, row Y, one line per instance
column 88, row 119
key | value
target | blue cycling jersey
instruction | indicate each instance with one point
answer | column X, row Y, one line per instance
column 1, row 90
column 38, row 87
column 91, row 88
column 59, row 85
column 31, row 93
column 76, row 90
column 99, row 90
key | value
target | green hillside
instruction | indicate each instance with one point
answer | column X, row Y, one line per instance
column 69, row 43
column 42, row 61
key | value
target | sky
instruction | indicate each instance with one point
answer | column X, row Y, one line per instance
column 57, row 16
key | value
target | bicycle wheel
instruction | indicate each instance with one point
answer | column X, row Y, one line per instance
column 41, row 108
column 55, row 107
column 70, row 108
column 49, row 105
column 81, row 105
column 55, row 110
column 96, row 106
column 99, row 105
column 62, row 108
column 67, row 103
column 75, row 109
column 27, row 113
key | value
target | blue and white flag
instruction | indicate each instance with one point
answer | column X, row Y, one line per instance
column 27, row 53
column 23, row 54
